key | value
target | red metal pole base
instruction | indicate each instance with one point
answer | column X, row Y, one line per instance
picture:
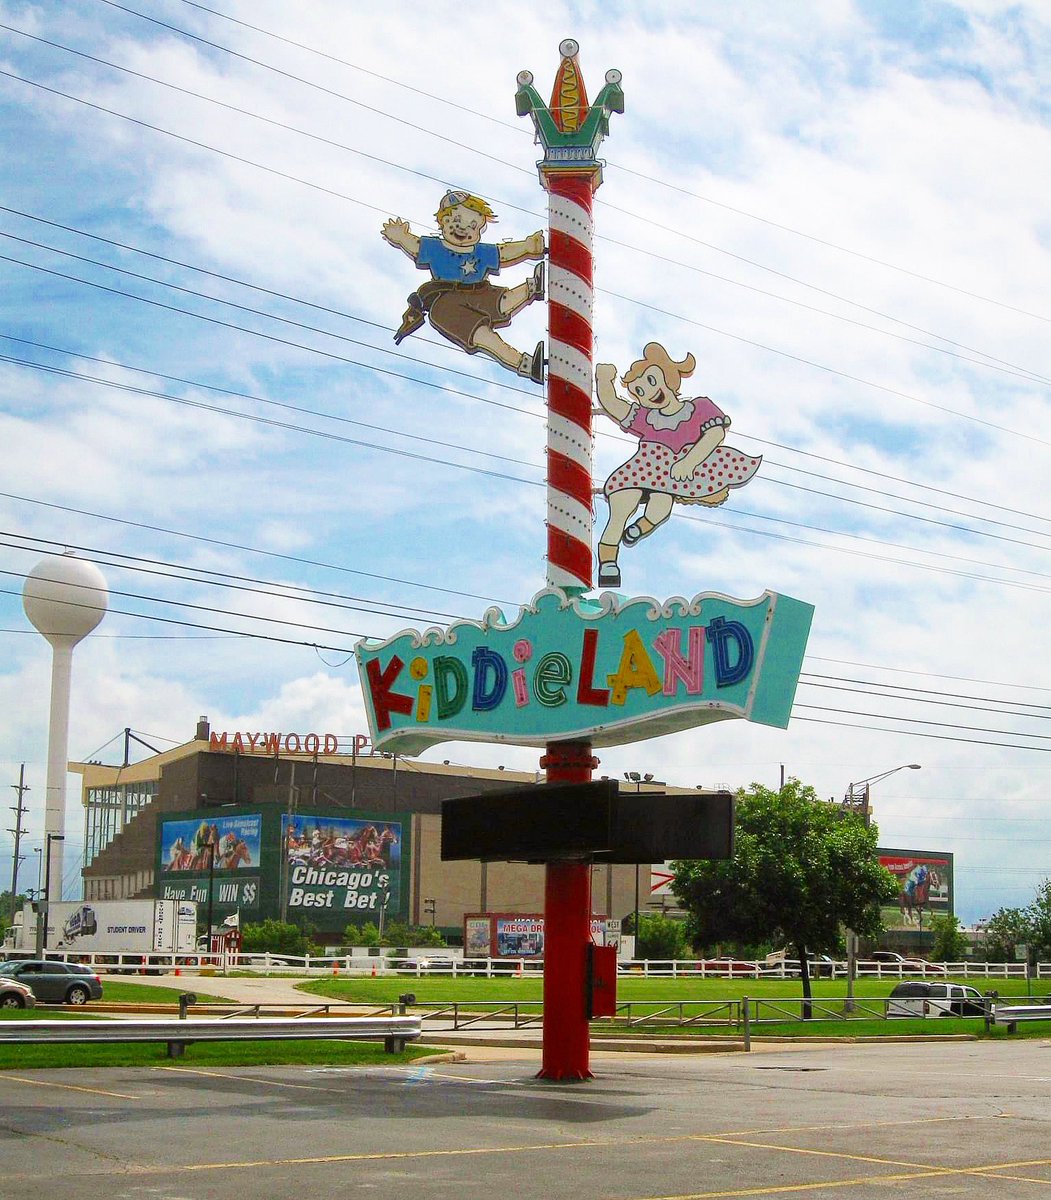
column 567, row 931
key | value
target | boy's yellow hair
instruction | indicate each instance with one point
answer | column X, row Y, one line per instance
column 453, row 200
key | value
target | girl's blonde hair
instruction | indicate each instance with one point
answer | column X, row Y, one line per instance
column 654, row 355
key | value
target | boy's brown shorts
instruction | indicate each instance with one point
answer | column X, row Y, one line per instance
column 459, row 310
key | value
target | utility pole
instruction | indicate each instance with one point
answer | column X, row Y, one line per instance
column 21, row 787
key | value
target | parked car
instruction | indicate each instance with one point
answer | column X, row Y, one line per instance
column 892, row 958
column 727, row 966
column 821, row 966
column 54, row 981
column 918, row 998
column 15, row 995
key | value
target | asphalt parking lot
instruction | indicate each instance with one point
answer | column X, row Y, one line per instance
column 960, row 1119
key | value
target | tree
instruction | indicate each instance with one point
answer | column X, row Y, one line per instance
column 1005, row 929
column 801, row 869
column 274, row 936
column 949, row 944
column 395, row 933
column 1039, row 914
column 661, row 937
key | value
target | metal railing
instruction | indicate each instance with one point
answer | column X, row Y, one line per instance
column 393, row 1031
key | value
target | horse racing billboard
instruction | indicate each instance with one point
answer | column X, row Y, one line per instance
column 349, row 865
column 925, row 887
column 221, row 853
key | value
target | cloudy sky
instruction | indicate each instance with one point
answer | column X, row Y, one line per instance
column 838, row 208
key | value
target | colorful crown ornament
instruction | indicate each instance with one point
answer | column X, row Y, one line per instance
column 569, row 128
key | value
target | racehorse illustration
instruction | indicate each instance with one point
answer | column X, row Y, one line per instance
column 234, row 855
column 915, row 894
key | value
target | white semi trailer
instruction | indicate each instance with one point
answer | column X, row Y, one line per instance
column 108, row 927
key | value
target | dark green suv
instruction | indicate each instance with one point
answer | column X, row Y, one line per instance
column 54, row 981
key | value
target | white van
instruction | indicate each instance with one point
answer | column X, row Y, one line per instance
column 918, row 998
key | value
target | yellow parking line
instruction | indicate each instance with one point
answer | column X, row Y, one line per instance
column 980, row 1172
column 253, row 1079
column 69, row 1087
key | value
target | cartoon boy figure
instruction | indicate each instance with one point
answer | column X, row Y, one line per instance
column 459, row 300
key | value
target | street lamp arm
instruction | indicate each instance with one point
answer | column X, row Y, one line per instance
column 882, row 775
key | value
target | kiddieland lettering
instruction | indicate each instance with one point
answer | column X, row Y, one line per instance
column 671, row 662
column 610, row 671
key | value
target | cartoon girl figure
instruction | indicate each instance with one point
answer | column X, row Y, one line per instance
column 681, row 455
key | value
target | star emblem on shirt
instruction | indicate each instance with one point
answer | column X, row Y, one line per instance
column 469, row 266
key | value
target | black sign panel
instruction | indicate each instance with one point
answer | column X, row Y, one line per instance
column 531, row 824
column 652, row 828
column 588, row 821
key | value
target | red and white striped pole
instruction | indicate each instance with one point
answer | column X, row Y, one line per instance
column 570, row 375
column 570, row 131
column 567, row 885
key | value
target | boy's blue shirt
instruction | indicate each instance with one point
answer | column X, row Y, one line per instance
column 457, row 266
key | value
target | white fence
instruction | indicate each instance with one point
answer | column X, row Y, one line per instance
column 745, row 969
column 429, row 962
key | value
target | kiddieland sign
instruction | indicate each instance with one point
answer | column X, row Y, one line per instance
column 607, row 670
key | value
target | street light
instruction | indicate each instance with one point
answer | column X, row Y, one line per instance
column 856, row 798
column 44, row 906
column 852, row 803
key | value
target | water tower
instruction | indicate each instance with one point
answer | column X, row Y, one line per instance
column 64, row 597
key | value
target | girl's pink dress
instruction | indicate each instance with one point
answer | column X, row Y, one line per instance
column 664, row 440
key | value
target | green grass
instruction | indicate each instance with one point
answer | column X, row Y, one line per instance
column 212, row 1054
column 385, row 989
column 148, row 993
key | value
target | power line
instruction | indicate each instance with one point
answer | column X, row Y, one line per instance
column 646, row 176
column 258, row 333
column 464, row 374
column 991, row 365
column 926, row 700
column 234, row 582
column 938, row 737
column 931, row 692
column 264, row 637
column 484, row 154
column 845, row 662
column 988, row 361
column 99, row 555
column 228, row 545
column 937, row 724
column 286, row 425
column 417, row 583
column 708, row 520
column 208, row 609
column 710, row 328
column 797, row 705
column 107, row 382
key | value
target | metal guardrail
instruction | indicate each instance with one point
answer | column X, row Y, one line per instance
column 394, row 1032
column 1011, row 1014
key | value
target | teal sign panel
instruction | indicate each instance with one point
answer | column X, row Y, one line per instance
column 611, row 671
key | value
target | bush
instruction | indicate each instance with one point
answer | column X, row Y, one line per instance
column 949, row 944
column 273, row 936
column 395, row 933
column 661, row 937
